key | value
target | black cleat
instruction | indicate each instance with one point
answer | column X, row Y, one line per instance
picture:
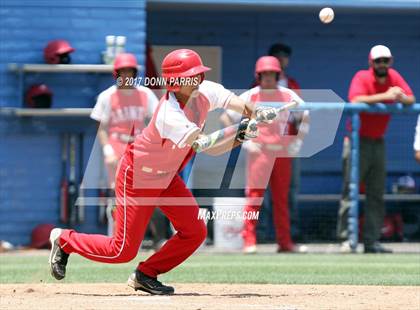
column 58, row 258
column 139, row 281
column 377, row 248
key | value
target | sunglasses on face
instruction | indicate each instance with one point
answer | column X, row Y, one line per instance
column 382, row 60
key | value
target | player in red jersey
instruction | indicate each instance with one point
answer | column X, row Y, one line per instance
column 120, row 109
column 269, row 156
column 147, row 177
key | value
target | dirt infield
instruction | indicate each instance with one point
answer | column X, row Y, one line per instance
column 209, row 296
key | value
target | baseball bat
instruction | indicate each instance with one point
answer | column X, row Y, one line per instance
column 210, row 140
column 81, row 205
column 72, row 181
column 64, row 184
column 102, row 195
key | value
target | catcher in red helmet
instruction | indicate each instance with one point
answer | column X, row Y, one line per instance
column 147, row 178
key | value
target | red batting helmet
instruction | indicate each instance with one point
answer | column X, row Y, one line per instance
column 182, row 63
column 40, row 237
column 38, row 96
column 55, row 49
column 124, row 60
column 267, row 63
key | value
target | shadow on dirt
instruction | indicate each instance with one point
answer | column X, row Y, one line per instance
column 239, row 295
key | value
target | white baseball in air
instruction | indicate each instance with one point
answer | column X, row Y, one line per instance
column 326, row 15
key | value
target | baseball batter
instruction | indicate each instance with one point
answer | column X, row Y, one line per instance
column 269, row 156
column 147, row 178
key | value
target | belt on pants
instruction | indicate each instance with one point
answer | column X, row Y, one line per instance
column 123, row 137
column 372, row 140
column 151, row 170
column 273, row 147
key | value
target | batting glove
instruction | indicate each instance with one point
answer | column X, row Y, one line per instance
column 266, row 114
column 247, row 130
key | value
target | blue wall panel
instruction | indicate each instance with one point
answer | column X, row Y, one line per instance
column 27, row 26
column 30, row 169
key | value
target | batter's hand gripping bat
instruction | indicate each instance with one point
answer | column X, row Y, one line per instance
column 263, row 115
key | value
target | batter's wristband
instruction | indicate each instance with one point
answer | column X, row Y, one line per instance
column 230, row 131
column 108, row 150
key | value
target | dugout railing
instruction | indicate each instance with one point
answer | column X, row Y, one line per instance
column 353, row 110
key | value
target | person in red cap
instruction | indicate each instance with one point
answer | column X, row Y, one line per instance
column 379, row 84
column 122, row 112
column 283, row 53
column 269, row 156
column 147, row 177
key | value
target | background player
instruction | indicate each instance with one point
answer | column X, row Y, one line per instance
column 147, row 177
column 269, row 159
column 123, row 110
column 283, row 52
column 379, row 84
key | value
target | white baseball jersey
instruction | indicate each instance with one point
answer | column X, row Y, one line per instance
column 417, row 136
column 161, row 146
column 121, row 109
column 249, row 95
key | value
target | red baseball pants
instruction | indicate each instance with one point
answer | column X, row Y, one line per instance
column 264, row 168
column 132, row 217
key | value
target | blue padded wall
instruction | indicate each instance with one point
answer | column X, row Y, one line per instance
column 30, row 168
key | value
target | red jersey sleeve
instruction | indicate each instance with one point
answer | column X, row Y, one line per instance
column 293, row 84
column 357, row 86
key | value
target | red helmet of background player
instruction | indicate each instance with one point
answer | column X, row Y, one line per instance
column 182, row 63
column 56, row 50
column 38, row 96
column 125, row 60
column 267, row 64
column 40, row 236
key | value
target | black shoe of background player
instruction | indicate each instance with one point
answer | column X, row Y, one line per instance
column 139, row 281
column 58, row 258
column 376, row 248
